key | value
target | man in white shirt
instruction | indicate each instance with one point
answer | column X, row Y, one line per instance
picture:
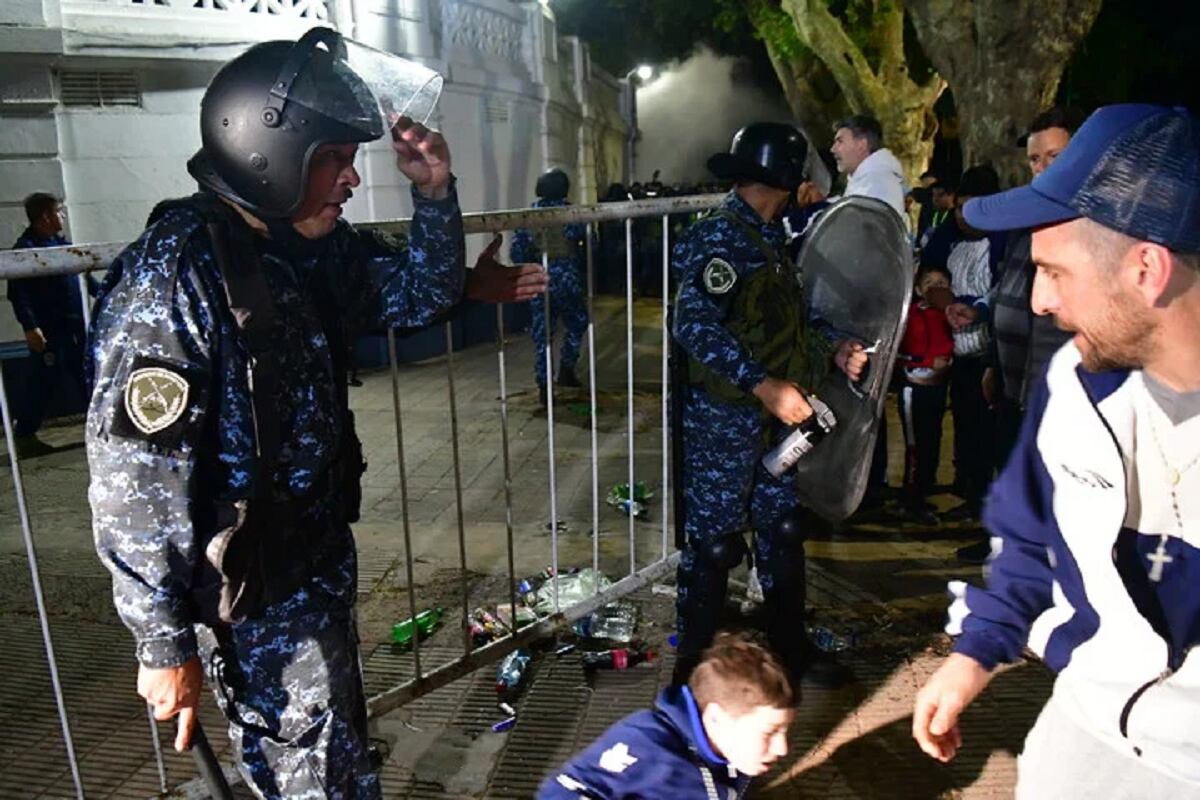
column 871, row 169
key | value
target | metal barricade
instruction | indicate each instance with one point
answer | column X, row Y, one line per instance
column 80, row 259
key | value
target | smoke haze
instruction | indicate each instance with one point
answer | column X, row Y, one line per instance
column 692, row 109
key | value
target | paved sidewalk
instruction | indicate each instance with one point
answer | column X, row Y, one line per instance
column 884, row 581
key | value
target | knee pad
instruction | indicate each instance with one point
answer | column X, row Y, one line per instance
column 791, row 531
column 723, row 552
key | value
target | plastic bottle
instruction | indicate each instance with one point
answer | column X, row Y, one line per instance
column 402, row 632
column 615, row 622
column 511, row 671
column 618, row 658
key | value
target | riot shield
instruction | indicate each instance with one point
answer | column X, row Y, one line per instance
column 857, row 269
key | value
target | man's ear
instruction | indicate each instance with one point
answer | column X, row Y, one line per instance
column 1154, row 269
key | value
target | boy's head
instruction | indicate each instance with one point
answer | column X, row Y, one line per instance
column 745, row 702
column 932, row 278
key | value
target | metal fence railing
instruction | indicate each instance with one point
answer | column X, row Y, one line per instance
column 81, row 259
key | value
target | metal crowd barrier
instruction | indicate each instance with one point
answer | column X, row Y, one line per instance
column 81, row 259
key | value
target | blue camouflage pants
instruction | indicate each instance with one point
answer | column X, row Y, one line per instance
column 291, row 688
column 726, row 487
column 568, row 301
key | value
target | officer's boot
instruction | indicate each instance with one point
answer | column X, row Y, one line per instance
column 567, row 377
column 785, row 590
column 702, row 582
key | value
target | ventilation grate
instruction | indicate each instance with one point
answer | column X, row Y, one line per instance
column 98, row 89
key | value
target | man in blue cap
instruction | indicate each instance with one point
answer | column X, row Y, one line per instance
column 1096, row 519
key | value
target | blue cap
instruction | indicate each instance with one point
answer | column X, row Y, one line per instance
column 1133, row 168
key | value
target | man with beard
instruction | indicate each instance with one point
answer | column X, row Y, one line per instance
column 224, row 463
column 1096, row 519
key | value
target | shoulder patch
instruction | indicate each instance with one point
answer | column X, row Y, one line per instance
column 719, row 276
column 159, row 401
column 617, row 758
column 155, row 398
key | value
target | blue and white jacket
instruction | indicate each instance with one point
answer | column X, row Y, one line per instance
column 1070, row 580
column 660, row 753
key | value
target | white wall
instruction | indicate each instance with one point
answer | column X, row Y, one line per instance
column 117, row 163
column 516, row 101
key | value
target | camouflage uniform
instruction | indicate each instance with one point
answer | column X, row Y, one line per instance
column 568, row 294
column 738, row 327
column 171, row 445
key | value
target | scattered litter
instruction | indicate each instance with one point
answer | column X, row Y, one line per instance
column 673, row 640
column 572, row 588
column 618, row 658
column 504, row 724
column 615, row 622
column 664, row 590
column 512, row 672
column 566, row 648
column 618, row 497
column 508, row 710
column 559, row 525
column 426, row 622
column 827, row 641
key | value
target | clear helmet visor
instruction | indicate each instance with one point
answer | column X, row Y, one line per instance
column 359, row 86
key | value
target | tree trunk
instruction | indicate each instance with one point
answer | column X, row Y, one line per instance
column 1003, row 60
column 886, row 91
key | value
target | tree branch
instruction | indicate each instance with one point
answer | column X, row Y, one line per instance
column 822, row 33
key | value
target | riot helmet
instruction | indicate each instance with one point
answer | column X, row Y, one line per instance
column 267, row 111
column 553, row 185
column 773, row 153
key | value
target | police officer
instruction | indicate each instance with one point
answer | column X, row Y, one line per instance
column 50, row 311
column 568, row 298
column 739, row 317
column 224, row 464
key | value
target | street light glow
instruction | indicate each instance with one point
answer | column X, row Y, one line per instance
column 645, row 72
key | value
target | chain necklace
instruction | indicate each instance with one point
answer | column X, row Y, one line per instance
column 1159, row 558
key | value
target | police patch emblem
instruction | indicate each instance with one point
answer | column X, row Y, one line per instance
column 155, row 398
column 719, row 276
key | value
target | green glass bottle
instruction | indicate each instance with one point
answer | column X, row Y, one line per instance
column 402, row 632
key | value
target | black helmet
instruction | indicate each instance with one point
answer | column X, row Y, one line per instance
column 553, row 185
column 765, row 152
column 267, row 111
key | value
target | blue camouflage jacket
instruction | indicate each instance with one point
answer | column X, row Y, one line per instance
column 700, row 313
column 170, row 429
column 659, row 753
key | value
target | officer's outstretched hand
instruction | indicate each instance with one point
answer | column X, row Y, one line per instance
column 942, row 699
column 172, row 691
column 493, row 282
column 850, row 358
column 784, row 400
column 423, row 156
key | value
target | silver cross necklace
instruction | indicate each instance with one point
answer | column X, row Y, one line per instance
column 1159, row 558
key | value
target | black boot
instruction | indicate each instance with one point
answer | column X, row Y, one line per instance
column 567, row 378
column 700, row 604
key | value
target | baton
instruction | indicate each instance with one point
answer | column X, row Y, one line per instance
column 208, row 766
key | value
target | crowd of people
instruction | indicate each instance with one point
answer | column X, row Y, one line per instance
column 1059, row 320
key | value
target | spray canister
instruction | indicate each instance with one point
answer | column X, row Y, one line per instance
column 802, row 439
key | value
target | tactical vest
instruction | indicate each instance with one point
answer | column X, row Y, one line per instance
column 767, row 317
column 554, row 244
column 264, row 546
